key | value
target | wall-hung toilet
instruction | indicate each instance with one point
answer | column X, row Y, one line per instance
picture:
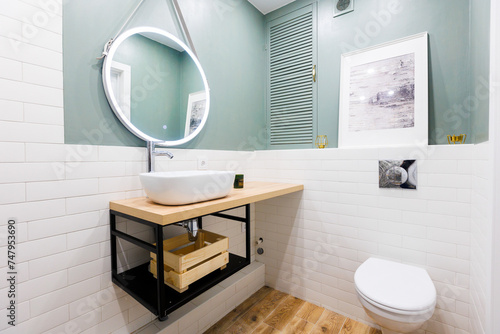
column 398, row 297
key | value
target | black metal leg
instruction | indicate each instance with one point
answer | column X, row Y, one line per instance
column 114, row 265
column 160, row 273
column 247, row 230
column 246, row 221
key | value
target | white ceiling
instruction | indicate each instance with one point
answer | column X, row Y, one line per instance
column 267, row 6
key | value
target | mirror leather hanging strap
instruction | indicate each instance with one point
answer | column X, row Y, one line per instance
column 108, row 44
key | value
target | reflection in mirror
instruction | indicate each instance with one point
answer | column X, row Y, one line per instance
column 195, row 110
column 156, row 86
column 121, row 85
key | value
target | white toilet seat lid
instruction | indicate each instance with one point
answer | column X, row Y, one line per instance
column 395, row 285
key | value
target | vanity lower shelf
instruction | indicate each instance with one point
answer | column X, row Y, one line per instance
column 153, row 293
column 141, row 285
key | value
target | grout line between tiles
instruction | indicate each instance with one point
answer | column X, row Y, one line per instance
column 343, row 323
column 263, row 320
column 274, row 309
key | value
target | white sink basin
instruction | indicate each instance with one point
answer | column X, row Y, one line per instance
column 186, row 187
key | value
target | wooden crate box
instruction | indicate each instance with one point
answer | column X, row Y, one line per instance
column 185, row 261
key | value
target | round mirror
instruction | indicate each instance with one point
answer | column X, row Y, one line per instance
column 156, row 86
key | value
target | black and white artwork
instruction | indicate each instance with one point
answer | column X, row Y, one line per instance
column 197, row 112
column 397, row 174
column 382, row 94
column 197, row 103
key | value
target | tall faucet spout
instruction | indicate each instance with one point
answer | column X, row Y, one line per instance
column 164, row 153
column 153, row 152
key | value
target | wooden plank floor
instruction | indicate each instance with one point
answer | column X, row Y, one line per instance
column 269, row 311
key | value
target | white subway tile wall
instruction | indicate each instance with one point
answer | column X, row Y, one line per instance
column 315, row 240
column 481, row 247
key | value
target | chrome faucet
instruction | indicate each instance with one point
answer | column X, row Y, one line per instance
column 153, row 152
column 191, row 225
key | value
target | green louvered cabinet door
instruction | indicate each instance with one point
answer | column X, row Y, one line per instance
column 291, row 98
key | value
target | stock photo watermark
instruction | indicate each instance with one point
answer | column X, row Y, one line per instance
column 151, row 81
column 32, row 24
column 75, row 155
column 86, row 312
column 224, row 7
column 11, row 271
column 380, row 20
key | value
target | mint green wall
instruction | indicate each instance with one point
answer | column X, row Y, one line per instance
column 229, row 39
column 152, row 108
column 88, row 119
column 374, row 22
column 229, row 36
column 477, row 106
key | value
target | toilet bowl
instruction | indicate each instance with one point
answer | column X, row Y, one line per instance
column 400, row 298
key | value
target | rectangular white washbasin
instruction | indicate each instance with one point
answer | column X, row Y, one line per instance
column 186, row 187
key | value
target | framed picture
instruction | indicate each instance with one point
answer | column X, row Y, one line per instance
column 341, row 7
column 384, row 95
column 195, row 110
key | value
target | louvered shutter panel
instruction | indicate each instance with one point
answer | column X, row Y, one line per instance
column 291, row 90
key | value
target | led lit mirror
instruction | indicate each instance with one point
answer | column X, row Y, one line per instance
column 156, row 86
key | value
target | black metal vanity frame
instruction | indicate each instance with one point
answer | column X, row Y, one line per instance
column 157, row 297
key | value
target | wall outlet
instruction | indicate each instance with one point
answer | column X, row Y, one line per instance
column 202, row 163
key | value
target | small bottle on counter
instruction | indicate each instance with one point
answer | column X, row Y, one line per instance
column 238, row 181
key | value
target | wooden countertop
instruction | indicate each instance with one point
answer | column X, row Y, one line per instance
column 144, row 208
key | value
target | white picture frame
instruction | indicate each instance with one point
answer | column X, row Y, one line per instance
column 196, row 108
column 376, row 106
